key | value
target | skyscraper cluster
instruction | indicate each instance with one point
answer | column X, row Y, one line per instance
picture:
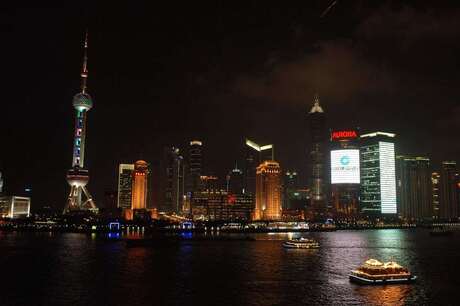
column 350, row 175
column 368, row 178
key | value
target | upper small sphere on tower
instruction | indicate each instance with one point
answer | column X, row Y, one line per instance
column 82, row 101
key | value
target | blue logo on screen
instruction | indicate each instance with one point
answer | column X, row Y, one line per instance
column 345, row 160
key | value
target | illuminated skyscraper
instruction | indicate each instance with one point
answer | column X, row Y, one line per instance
column 414, row 187
column 268, row 191
column 239, row 204
column 290, row 188
column 235, row 184
column 449, row 187
column 140, row 185
column 78, row 177
column 125, row 185
column 345, row 172
column 317, row 158
column 172, row 180
column 14, row 207
column 195, row 166
column 378, row 174
column 435, row 193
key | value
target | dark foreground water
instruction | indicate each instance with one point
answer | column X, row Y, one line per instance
column 79, row 269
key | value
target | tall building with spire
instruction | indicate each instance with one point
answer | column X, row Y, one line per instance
column 317, row 157
column 78, row 176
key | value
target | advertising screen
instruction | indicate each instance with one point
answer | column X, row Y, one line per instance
column 345, row 167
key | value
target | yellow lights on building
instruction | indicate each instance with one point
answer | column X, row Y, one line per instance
column 378, row 134
column 140, row 183
column 196, row 143
column 268, row 191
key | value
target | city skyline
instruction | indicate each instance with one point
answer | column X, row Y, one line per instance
column 244, row 103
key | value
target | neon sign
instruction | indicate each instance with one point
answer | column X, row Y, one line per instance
column 344, row 134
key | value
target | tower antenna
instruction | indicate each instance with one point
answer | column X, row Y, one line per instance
column 84, row 69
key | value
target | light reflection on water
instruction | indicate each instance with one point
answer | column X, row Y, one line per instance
column 61, row 267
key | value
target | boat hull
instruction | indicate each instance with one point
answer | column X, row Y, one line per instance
column 299, row 246
column 388, row 281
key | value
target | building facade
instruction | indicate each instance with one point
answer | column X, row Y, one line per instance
column 268, row 191
column 345, row 173
column 140, row 185
column 290, row 187
column 378, row 174
column 449, row 189
column 317, row 158
column 414, row 188
column 125, row 186
column 235, row 181
column 435, row 193
column 195, row 166
column 14, row 207
column 172, row 181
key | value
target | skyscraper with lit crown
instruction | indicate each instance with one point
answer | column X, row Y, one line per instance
column 140, row 185
column 317, row 158
column 378, row 174
column 78, row 176
column 268, row 191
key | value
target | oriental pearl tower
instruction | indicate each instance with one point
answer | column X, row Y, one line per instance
column 77, row 176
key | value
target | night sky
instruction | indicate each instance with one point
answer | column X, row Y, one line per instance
column 220, row 71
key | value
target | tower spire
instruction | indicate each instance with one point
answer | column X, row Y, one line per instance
column 84, row 69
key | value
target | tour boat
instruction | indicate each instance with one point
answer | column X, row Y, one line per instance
column 301, row 243
column 374, row 272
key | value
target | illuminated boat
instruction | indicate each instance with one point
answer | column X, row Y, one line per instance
column 301, row 243
column 374, row 272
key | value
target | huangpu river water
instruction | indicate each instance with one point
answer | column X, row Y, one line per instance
column 80, row 269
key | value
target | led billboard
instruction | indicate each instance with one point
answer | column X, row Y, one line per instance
column 345, row 167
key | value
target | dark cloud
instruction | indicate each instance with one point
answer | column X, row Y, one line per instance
column 392, row 51
column 336, row 69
